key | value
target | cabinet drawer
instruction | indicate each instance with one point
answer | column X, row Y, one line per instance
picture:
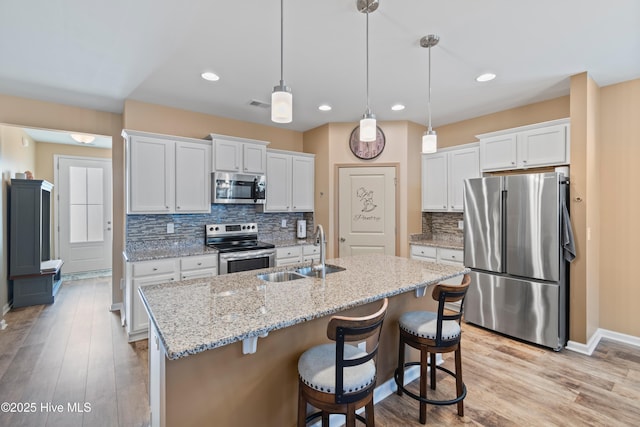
column 288, row 252
column 198, row 274
column 311, row 250
column 424, row 251
column 155, row 267
column 198, row 262
column 308, row 258
column 452, row 255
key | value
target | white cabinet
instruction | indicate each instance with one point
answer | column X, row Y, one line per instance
column 290, row 181
column 137, row 275
column 539, row 145
column 443, row 176
column 167, row 174
column 240, row 155
column 443, row 256
column 289, row 255
column 145, row 273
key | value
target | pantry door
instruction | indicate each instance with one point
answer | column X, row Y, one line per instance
column 83, row 188
column 367, row 210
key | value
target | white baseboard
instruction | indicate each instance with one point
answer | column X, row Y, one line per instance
column 5, row 309
column 116, row 307
column 600, row 333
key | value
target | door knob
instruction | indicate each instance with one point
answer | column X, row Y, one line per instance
column 342, row 239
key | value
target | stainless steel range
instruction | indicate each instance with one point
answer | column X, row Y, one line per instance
column 239, row 248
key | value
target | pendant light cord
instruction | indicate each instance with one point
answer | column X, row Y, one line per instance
column 367, row 56
column 429, row 98
column 281, row 42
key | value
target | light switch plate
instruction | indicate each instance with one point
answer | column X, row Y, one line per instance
column 460, row 225
column 284, row 223
column 170, row 228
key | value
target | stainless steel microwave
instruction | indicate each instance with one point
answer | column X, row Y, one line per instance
column 238, row 188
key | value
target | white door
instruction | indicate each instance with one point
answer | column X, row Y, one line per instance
column 84, row 237
column 367, row 210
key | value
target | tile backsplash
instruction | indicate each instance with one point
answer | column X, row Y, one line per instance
column 190, row 227
column 442, row 225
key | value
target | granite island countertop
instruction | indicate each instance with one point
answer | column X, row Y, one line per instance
column 435, row 241
column 161, row 250
column 196, row 315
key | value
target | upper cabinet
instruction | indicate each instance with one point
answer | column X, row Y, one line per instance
column 167, row 174
column 290, row 181
column 443, row 175
column 240, row 155
column 543, row 144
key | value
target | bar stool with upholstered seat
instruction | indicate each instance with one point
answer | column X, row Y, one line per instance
column 434, row 333
column 339, row 378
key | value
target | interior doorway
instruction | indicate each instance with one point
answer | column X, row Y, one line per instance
column 367, row 210
column 83, row 213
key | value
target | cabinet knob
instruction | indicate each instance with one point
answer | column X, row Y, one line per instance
column 155, row 269
column 177, row 207
column 166, row 207
column 453, row 256
column 451, row 206
column 444, row 206
column 294, row 207
column 171, row 280
column 199, row 263
column 513, row 163
column 524, row 161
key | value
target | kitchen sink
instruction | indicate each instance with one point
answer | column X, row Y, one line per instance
column 281, row 276
column 309, row 272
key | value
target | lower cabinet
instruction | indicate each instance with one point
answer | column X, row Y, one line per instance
column 145, row 273
column 443, row 256
column 289, row 255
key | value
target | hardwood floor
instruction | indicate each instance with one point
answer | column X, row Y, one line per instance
column 71, row 353
column 75, row 351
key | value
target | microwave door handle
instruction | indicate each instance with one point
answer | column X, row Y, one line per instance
column 254, row 190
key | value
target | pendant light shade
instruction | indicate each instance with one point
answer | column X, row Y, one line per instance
column 368, row 125
column 429, row 139
column 282, row 98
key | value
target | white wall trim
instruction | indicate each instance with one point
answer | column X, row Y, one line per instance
column 116, row 307
column 600, row 333
column 5, row 309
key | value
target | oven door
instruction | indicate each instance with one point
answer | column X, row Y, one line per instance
column 234, row 262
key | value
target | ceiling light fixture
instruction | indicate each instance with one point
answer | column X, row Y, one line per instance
column 486, row 77
column 368, row 129
column 324, row 107
column 429, row 139
column 397, row 107
column 208, row 75
column 282, row 98
column 83, row 138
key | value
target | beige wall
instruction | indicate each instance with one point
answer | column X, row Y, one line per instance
column 172, row 121
column 46, row 151
column 330, row 143
column 14, row 157
column 45, row 115
column 619, row 178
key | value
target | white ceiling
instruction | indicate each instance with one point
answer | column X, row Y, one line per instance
column 97, row 54
column 59, row 137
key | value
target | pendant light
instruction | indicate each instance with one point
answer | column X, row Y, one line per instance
column 368, row 128
column 281, row 98
column 429, row 139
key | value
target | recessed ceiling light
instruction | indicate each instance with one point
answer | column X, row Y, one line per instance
column 83, row 138
column 486, row 77
column 212, row 77
column 324, row 107
column 397, row 107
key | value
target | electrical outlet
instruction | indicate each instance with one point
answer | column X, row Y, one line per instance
column 284, row 223
column 170, row 228
column 460, row 225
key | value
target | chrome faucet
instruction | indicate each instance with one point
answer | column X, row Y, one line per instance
column 322, row 241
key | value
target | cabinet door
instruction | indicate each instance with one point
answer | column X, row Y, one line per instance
column 254, row 158
column 463, row 164
column 424, row 253
column 278, row 183
column 543, row 147
column 227, row 155
column 151, row 175
column 498, row 153
column 434, row 182
column 193, row 177
column 302, row 183
column 140, row 320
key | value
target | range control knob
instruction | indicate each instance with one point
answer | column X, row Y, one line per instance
column 217, row 228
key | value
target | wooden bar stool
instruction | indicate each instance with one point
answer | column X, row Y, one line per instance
column 433, row 333
column 339, row 378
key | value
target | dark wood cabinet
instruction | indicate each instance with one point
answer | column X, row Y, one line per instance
column 34, row 278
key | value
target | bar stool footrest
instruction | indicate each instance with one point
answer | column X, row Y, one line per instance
column 396, row 375
column 319, row 413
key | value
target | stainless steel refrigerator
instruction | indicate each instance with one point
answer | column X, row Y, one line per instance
column 513, row 243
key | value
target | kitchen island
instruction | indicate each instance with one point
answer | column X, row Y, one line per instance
column 203, row 332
